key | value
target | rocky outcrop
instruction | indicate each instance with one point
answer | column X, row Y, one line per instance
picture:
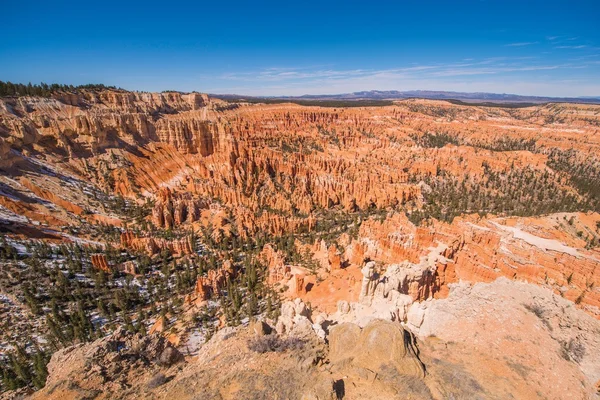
column 423, row 261
column 112, row 363
column 419, row 281
column 380, row 344
column 159, row 325
column 132, row 102
column 334, row 258
column 299, row 285
column 89, row 122
column 275, row 263
column 128, row 267
column 100, row 262
column 292, row 277
column 189, row 136
column 501, row 321
column 329, row 258
column 294, row 314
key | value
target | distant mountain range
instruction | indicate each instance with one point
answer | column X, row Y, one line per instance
column 428, row 94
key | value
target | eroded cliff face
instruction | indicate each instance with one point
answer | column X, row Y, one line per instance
column 89, row 122
column 269, row 161
column 360, row 212
column 423, row 261
column 275, row 168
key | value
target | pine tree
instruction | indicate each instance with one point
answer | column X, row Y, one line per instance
column 40, row 371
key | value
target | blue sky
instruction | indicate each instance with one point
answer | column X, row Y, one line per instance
column 279, row 48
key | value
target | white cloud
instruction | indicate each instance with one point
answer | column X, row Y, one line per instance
column 520, row 75
column 580, row 46
column 566, row 88
column 520, row 44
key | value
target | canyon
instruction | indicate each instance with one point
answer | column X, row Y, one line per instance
column 273, row 239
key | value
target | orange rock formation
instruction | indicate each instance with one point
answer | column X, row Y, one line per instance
column 151, row 246
column 210, row 285
column 99, row 262
column 279, row 168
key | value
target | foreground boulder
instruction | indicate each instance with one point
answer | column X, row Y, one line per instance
column 379, row 345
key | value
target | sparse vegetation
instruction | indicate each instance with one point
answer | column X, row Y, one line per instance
column 435, row 140
column 523, row 192
column 157, row 380
column 274, row 343
column 573, row 350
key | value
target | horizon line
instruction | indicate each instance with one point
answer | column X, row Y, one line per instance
column 103, row 86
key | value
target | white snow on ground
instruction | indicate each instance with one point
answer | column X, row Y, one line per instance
column 7, row 215
column 18, row 246
column 97, row 319
column 8, row 195
column 80, row 240
column 193, row 344
column 82, row 278
column 46, row 169
column 13, row 183
column 541, row 243
column 49, row 205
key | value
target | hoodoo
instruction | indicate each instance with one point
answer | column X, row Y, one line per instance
column 165, row 245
